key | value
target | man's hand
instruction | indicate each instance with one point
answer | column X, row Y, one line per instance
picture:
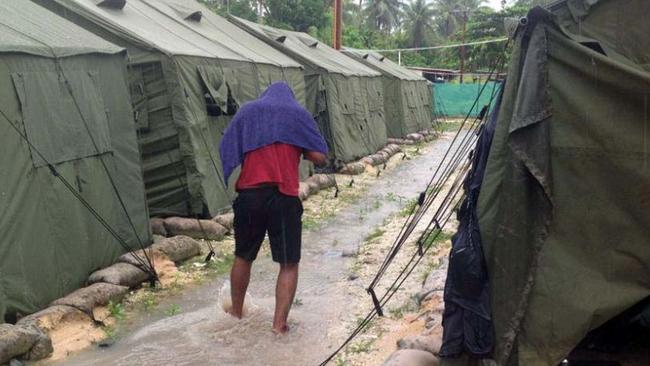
column 319, row 159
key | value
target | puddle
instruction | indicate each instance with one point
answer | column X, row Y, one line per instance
column 204, row 334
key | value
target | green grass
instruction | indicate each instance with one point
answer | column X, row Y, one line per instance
column 148, row 300
column 110, row 331
column 173, row 309
column 339, row 360
column 116, row 310
column 310, row 223
column 363, row 346
column 392, row 197
column 410, row 206
column 408, row 307
column 429, row 267
column 434, row 239
column 448, row 126
column 377, row 233
column 221, row 265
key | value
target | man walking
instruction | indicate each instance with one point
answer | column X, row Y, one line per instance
column 267, row 138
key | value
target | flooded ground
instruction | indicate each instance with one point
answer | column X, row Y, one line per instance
column 202, row 334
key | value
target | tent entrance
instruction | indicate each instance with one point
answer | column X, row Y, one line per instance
column 622, row 341
column 164, row 171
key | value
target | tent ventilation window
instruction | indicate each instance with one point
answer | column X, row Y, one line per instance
column 281, row 39
column 309, row 42
column 195, row 16
column 112, row 4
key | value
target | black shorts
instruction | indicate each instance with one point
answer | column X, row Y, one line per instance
column 262, row 210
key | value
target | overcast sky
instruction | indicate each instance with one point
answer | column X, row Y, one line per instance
column 495, row 4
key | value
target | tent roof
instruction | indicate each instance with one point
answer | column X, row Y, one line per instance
column 309, row 49
column 28, row 28
column 383, row 64
column 151, row 27
column 202, row 20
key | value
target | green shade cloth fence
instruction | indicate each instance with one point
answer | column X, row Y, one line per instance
column 456, row 100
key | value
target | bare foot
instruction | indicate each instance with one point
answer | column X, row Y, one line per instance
column 281, row 331
column 229, row 311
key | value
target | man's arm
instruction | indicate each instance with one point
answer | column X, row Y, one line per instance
column 319, row 159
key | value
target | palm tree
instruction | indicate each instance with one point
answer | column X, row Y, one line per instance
column 452, row 13
column 447, row 20
column 419, row 20
column 383, row 14
column 351, row 13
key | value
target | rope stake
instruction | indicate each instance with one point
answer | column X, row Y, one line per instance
column 375, row 301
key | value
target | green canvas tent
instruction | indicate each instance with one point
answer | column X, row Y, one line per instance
column 345, row 96
column 65, row 90
column 407, row 96
column 564, row 203
column 189, row 70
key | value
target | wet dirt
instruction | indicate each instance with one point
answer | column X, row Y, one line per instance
column 203, row 334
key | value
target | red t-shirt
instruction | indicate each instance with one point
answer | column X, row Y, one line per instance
column 273, row 164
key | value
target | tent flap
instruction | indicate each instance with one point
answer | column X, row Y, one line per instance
column 53, row 122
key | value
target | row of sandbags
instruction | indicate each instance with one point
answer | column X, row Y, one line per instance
column 414, row 138
column 28, row 339
column 380, row 157
column 221, row 225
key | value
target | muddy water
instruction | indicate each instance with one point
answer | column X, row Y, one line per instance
column 204, row 335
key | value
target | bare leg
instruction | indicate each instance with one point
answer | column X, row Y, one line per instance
column 240, row 276
column 285, row 291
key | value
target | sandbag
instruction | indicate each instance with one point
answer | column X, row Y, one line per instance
column 400, row 141
column 414, row 137
column 43, row 322
column 325, row 180
column 367, row 160
column 15, row 341
column 49, row 318
column 428, row 343
column 137, row 257
column 157, row 226
column 303, row 191
column 178, row 248
column 411, row 357
column 198, row 229
column 435, row 282
column 123, row 274
column 313, row 185
column 97, row 294
column 353, row 168
column 226, row 220
column 392, row 149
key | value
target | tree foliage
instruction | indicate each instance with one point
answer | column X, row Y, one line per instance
column 241, row 8
column 389, row 24
column 298, row 15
